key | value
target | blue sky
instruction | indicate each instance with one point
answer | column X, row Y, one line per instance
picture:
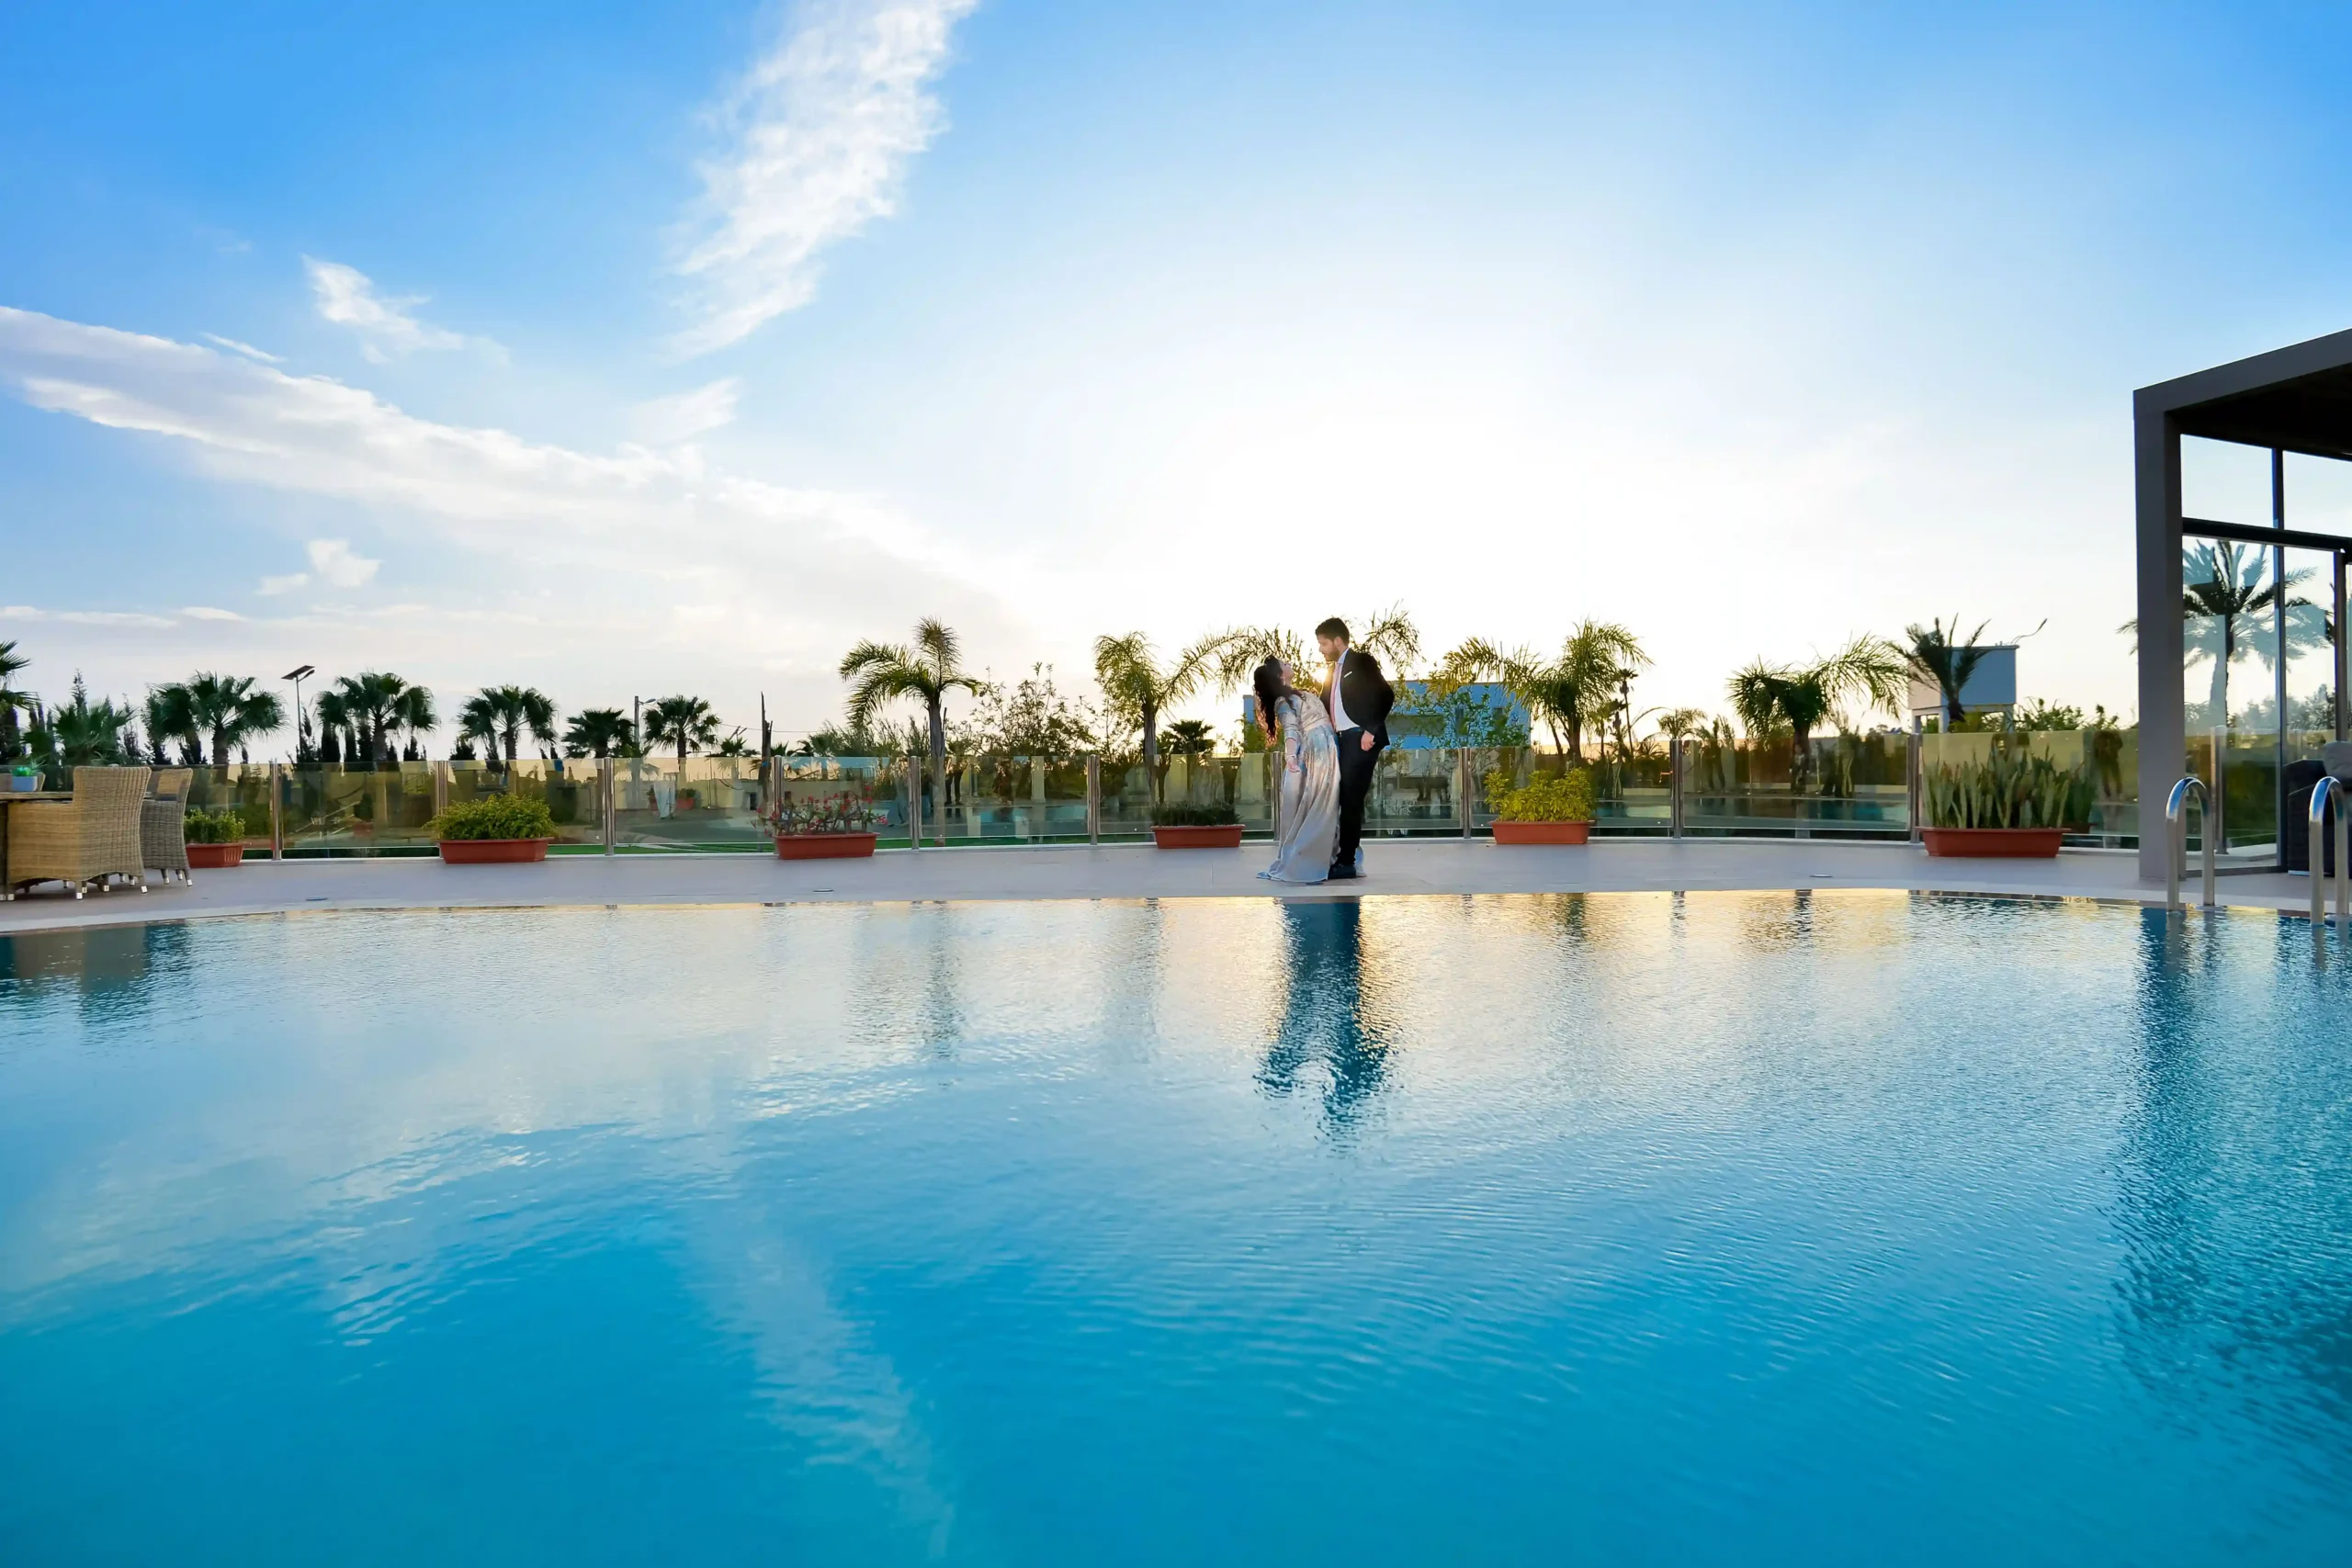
column 623, row 350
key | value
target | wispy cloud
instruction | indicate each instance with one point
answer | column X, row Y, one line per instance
column 333, row 562
column 386, row 324
column 821, row 132
column 664, row 422
column 798, row 572
column 248, row 350
column 209, row 612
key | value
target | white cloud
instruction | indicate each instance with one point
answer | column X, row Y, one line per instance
column 209, row 612
column 248, row 350
column 334, row 563
column 595, row 548
column 83, row 617
column 823, row 128
column 347, row 296
column 664, row 422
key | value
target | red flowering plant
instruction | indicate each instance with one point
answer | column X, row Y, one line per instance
column 828, row 814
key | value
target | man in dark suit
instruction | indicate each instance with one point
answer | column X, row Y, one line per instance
column 1358, row 696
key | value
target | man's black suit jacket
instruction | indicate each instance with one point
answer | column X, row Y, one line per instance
column 1365, row 691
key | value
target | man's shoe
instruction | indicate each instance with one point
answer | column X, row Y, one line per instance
column 1345, row 877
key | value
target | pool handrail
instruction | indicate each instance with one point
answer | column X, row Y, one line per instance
column 2330, row 789
column 2177, row 827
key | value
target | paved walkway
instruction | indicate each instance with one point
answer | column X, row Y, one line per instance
column 1136, row 871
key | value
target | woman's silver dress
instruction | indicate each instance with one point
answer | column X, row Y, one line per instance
column 1309, row 793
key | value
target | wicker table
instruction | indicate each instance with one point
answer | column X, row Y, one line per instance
column 9, row 797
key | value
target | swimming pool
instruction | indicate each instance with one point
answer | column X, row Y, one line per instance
column 1621, row 1227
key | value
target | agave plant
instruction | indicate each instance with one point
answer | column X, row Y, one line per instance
column 2010, row 788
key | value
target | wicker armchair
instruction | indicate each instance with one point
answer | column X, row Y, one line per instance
column 162, row 824
column 82, row 840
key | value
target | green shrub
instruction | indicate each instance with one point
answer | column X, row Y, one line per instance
column 494, row 816
column 1192, row 814
column 2009, row 789
column 1549, row 797
column 226, row 825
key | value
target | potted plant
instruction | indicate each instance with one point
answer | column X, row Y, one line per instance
column 836, row 827
column 496, row 830
column 1549, row 809
column 1184, row 825
column 216, row 839
column 2009, row 803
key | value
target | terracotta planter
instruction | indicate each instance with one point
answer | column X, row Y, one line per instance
column 492, row 851
column 2023, row 843
column 823, row 846
column 214, row 857
column 1225, row 836
column 1542, row 833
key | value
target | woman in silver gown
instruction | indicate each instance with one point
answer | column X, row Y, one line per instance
column 1309, row 820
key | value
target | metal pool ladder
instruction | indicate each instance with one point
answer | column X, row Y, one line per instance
column 2330, row 789
column 2177, row 827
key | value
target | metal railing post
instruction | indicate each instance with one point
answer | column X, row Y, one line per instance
column 2215, row 805
column 913, row 781
column 277, row 814
column 1915, row 782
column 605, row 773
column 2323, row 794
column 440, row 788
column 1093, row 797
column 1674, row 817
column 2177, row 827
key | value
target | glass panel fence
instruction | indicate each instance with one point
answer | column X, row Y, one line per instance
column 694, row 803
column 1413, row 792
column 997, row 798
column 1843, row 786
column 2109, row 757
column 878, row 785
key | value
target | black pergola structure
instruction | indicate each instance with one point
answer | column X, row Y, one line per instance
column 2291, row 400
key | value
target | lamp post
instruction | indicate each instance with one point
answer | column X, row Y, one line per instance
column 302, row 720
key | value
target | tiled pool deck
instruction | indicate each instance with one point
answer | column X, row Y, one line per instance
column 1124, row 871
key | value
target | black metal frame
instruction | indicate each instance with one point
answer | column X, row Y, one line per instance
column 2292, row 400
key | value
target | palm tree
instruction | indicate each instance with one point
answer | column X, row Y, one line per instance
column 1387, row 635
column 1137, row 686
column 684, row 722
column 11, row 699
column 1682, row 723
column 1191, row 737
column 1937, row 657
column 2225, row 605
column 78, row 735
column 599, row 732
column 373, row 708
column 497, row 716
column 881, row 673
column 1766, row 697
column 171, row 716
column 226, row 707
column 1589, row 680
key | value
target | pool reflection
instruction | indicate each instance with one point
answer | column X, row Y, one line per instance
column 1325, row 1023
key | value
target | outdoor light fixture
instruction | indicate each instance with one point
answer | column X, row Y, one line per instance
column 302, row 720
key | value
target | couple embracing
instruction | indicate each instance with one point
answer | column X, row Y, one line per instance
column 1329, row 740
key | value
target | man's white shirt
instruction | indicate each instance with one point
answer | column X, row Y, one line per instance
column 1339, row 725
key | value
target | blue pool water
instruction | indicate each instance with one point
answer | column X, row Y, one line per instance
column 1623, row 1228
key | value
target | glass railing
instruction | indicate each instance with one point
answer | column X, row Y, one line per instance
column 2113, row 756
column 1853, row 786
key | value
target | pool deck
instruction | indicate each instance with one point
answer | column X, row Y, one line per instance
column 1124, row 871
